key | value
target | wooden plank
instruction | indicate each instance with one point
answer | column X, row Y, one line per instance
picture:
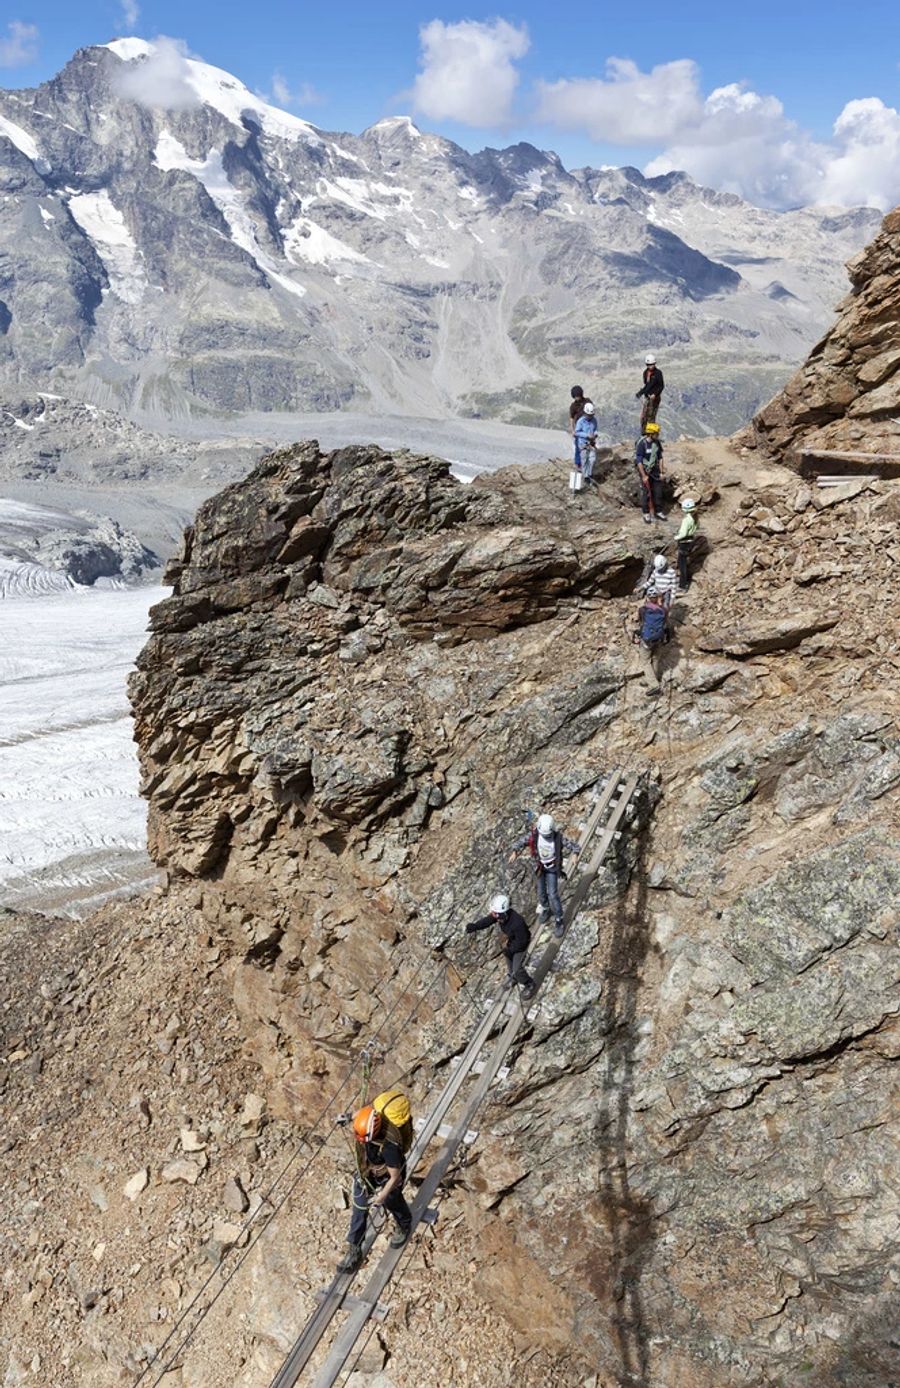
column 882, row 464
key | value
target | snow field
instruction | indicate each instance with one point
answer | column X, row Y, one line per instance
column 68, row 765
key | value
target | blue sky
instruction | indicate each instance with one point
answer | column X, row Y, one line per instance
column 744, row 96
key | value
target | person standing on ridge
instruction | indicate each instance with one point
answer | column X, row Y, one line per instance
column 515, row 936
column 380, row 1171
column 648, row 459
column 651, row 390
column 579, row 400
column 685, row 538
column 546, row 845
column 586, row 441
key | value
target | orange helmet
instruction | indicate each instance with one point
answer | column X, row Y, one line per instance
column 366, row 1123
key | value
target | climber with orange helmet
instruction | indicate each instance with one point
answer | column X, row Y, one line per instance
column 381, row 1147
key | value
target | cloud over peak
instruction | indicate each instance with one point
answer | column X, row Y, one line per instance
column 734, row 139
column 468, row 71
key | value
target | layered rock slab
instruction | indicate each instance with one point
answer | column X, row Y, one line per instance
column 846, row 395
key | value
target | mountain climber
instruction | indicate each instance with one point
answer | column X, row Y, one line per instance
column 586, row 441
column 651, row 633
column 662, row 580
column 685, row 538
column 648, row 459
column 651, row 390
column 516, row 938
column 383, row 1132
column 546, row 845
column 579, row 400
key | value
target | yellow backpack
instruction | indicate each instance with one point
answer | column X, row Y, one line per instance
column 396, row 1114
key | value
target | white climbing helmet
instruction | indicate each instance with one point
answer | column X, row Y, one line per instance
column 588, row 409
column 650, row 359
column 499, row 904
column 660, row 563
column 688, row 504
column 546, row 825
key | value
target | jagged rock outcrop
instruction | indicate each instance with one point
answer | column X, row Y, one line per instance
column 846, row 396
column 365, row 672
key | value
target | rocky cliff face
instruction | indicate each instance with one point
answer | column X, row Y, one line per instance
column 364, row 675
column 224, row 255
column 847, row 394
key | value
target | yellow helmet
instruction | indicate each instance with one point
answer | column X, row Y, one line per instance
column 651, row 428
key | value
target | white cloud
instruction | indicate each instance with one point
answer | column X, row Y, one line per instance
column 734, row 139
column 21, row 46
column 865, row 159
column 161, row 79
column 131, row 13
column 283, row 95
column 468, row 71
column 628, row 107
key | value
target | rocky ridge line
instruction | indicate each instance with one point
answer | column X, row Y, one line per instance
column 342, row 762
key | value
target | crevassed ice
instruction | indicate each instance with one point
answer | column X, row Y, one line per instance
column 101, row 220
column 24, row 142
column 304, row 240
column 224, row 93
column 171, row 154
column 129, row 49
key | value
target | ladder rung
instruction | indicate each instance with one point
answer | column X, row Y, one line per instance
column 446, row 1129
column 477, row 1067
column 352, row 1303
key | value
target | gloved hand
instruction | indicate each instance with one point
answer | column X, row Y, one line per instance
column 470, row 928
column 638, row 394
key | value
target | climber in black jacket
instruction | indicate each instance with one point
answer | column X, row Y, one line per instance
column 651, row 390
column 516, row 938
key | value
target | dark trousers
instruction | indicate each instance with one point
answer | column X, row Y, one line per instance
column 652, row 487
column 648, row 410
column 516, row 970
column 362, row 1198
column 684, row 567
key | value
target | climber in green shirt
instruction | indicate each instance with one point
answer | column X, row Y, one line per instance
column 685, row 538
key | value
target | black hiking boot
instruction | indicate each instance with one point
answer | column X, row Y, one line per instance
column 399, row 1237
column 351, row 1259
column 528, row 992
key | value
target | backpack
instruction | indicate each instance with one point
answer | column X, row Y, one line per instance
column 396, row 1114
column 653, row 625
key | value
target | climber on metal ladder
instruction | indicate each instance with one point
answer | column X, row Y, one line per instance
column 546, row 845
column 516, row 938
column 383, row 1132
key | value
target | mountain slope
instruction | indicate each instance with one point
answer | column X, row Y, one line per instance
column 224, row 255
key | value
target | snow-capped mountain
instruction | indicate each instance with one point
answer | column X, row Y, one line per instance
column 219, row 254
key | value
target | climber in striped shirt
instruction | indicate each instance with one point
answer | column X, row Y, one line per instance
column 662, row 581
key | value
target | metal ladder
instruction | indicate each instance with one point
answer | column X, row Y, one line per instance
column 603, row 821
